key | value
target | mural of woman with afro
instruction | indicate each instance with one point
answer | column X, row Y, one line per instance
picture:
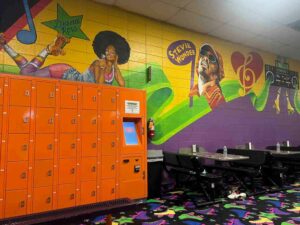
column 111, row 49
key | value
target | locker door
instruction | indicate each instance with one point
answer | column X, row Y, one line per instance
column 109, row 99
column 88, row 121
column 43, row 173
column 66, row 195
column 67, row 146
column 42, row 199
column 44, row 146
column 67, row 171
column 16, row 203
column 68, row 120
column 68, row 96
column 108, row 167
column 18, row 145
column 87, row 192
column 109, row 121
column 108, row 190
column 20, row 92
column 45, row 118
column 89, row 145
column 89, row 97
column 88, row 168
column 19, row 119
column 1, row 90
column 17, row 175
column 109, row 144
column 45, row 94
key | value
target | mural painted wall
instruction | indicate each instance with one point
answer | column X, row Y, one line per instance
column 202, row 90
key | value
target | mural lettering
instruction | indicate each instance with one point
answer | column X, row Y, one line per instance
column 183, row 52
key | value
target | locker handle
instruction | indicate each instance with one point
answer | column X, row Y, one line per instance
column 49, row 173
column 25, row 147
column 48, row 200
column 94, row 145
column 73, row 121
column 94, row 121
column 50, row 146
column 93, row 193
column 27, row 93
column 113, row 167
column 26, row 119
column 74, row 97
column 112, row 190
column 94, row 98
column 72, row 196
column 51, row 94
column 113, row 144
column 113, row 100
column 22, row 204
column 94, row 169
column 126, row 161
column 23, row 175
column 51, row 120
column 73, row 146
column 113, row 122
column 72, row 170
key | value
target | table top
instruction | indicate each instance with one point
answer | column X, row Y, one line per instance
column 219, row 156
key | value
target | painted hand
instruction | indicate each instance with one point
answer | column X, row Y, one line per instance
column 56, row 48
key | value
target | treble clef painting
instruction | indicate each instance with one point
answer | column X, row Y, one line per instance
column 248, row 68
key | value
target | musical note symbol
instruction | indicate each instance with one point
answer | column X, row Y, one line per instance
column 247, row 75
column 27, row 36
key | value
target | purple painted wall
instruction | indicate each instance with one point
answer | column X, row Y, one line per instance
column 237, row 122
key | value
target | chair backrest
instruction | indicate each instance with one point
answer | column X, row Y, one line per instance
column 201, row 149
column 185, row 150
column 170, row 158
column 283, row 148
column 240, row 146
column 256, row 157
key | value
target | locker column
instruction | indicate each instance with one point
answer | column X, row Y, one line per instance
column 109, row 143
column 44, row 146
column 68, row 145
column 3, row 135
column 18, row 147
column 89, row 146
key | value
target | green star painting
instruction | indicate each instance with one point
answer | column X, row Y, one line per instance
column 69, row 26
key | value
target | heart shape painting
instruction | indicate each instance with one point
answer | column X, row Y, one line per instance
column 248, row 68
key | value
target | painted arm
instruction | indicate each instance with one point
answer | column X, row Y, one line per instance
column 118, row 75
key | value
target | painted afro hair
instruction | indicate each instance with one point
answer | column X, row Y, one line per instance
column 106, row 38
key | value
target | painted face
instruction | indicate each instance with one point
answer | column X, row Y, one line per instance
column 110, row 53
column 207, row 65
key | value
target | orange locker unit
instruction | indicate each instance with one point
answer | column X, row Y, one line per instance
column 68, row 144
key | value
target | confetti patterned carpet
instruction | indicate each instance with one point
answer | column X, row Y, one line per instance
column 182, row 207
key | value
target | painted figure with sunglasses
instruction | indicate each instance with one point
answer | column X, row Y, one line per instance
column 210, row 72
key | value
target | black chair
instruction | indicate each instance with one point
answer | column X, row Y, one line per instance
column 206, row 181
column 178, row 164
column 251, row 168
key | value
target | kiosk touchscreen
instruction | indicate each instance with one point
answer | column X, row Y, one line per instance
column 130, row 133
